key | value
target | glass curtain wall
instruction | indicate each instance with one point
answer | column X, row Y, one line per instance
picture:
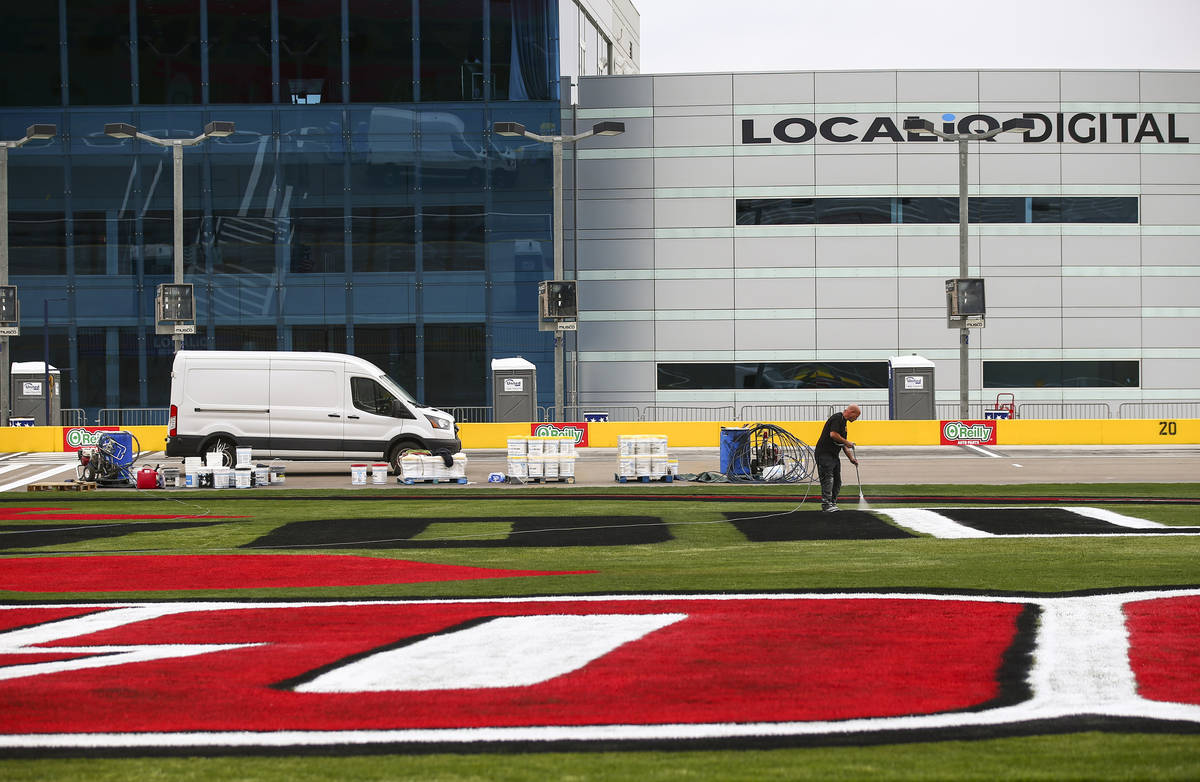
column 362, row 205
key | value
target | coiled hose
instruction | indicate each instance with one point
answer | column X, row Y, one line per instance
column 770, row 454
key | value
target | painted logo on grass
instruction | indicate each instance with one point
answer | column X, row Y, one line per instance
column 628, row 669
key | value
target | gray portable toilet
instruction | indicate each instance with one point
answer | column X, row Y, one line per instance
column 514, row 390
column 29, row 393
column 911, row 389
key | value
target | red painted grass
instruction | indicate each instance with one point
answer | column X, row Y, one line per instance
column 230, row 571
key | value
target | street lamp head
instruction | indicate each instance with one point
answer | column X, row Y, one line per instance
column 608, row 128
column 918, row 125
column 120, row 130
column 509, row 128
column 1018, row 124
column 41, row 131
column 218, row 129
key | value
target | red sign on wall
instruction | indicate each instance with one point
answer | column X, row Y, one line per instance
column 579, row 432
column 968, row 432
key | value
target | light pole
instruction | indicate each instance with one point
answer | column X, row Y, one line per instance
column 32, row 132
column 124, row 130
column 918, row 125
column 607, row 128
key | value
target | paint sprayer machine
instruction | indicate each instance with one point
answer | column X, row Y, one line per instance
column 110, row 461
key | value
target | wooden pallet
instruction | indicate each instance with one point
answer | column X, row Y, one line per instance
column 411, row 481
column 63, row 486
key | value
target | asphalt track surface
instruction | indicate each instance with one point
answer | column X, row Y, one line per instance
column 879, row 465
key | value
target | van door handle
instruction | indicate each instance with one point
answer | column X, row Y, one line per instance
column 353, row 416
column 335, row 415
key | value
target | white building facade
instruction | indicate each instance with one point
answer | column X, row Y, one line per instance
column 766, row 242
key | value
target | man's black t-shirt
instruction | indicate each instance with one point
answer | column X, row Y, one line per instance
column 826, row 444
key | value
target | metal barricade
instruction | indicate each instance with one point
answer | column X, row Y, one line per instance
column 668, row 413
column 1061, row 410
column 72, row 416
column 134, row 416
column 1159, row 410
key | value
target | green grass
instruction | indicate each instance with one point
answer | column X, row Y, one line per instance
column 706, row 554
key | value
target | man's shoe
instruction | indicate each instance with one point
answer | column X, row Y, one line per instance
column 832, row 508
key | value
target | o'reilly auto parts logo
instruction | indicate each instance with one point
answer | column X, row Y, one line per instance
column 77, row 437
column 577, row 432
column 1080, row 127
column 968, row 433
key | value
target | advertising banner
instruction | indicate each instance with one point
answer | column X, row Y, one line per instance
column 578, row 431
column 968, row 432
column 76, row 437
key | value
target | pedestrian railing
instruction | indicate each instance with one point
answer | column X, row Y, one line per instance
column 1159, row 410
column 72, row 416
column 134, row 416
column 1063, row 410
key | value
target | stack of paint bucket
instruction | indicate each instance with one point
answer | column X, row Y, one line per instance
column 518, row 458
column 642, row 456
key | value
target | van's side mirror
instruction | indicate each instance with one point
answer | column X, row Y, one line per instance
column 400, row 410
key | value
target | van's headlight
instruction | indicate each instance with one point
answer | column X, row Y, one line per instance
column 438, row 423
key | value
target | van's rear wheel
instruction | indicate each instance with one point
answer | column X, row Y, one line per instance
column 223, row 446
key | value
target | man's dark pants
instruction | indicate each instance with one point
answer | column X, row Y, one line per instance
column 829, row 469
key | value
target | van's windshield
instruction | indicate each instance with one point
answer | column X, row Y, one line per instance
column 398, row 390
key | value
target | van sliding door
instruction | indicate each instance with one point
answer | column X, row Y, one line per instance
column 306, row 408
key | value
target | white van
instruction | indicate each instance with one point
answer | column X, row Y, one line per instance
column 297, row 405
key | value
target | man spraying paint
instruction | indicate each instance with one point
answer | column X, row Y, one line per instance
column 828, row 454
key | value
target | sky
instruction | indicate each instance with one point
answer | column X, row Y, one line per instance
column 717, row 36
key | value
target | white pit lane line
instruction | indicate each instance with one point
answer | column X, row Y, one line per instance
column 38, row 476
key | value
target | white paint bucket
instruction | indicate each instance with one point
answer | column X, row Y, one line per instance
column 379, row 472
column 222, row 477
column 358, row 474
column 241, row 477
column 243, row 456
column 214, row 459
column 262, row 476
column 278, row 473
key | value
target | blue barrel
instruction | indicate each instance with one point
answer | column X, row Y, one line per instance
column 735, row 450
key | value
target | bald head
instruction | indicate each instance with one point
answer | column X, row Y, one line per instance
column 851, row 413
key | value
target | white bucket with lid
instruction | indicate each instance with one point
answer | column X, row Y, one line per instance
column 214, row 459
column 379, row 472
column 358, row 474
column 241, row 477
column 243, row 456
column 222, row 477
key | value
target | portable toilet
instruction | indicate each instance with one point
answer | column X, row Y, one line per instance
column 514, row 390
column 911, row 389
column 29, row 392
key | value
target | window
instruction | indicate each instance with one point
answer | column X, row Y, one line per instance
column 384, row 239
column 455, row 369
column 381, row 68
column 36, row 243
column 453, row 238
column 30, row 35
column 169, row 51
column 369, row 396
column 310, row 52
column 941, row 209
column 317, row 241
column 773, row 375
column 1061, row 374
column 239, row 51
column 97, row 41
column 451, row 50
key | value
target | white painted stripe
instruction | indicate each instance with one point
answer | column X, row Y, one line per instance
column 981, row 450
column 517, row 651
column 928, row 522
column 37, row 477
column 1112, row 517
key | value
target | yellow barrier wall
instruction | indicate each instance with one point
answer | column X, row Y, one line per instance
column 16, row 439
column 707, row 434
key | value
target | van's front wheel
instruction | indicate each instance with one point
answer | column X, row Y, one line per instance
column 398, row 451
